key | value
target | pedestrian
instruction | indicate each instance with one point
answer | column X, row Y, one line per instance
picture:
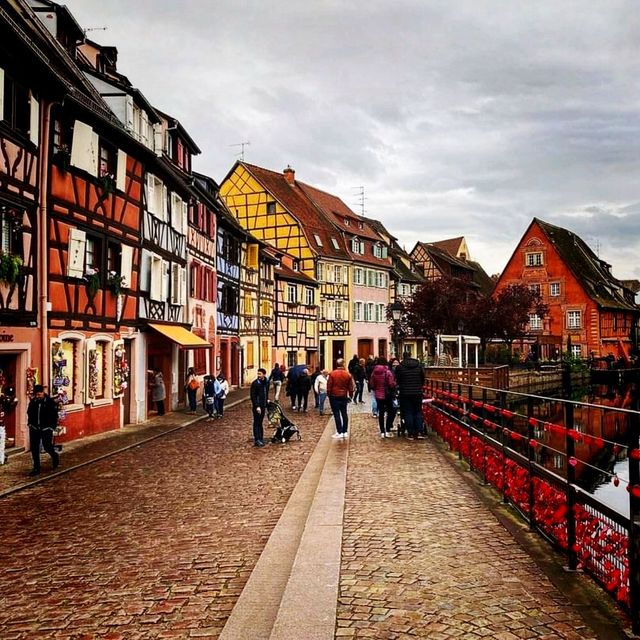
column 209, row 396
column 383, row 384
column 191, row 385
column 368, row 369
column 292, row 386
column 276, row 377
column 314, row 377
column 158, row 391
column 42, row 417
column 258, row 393
column 410, row 380
column 359, row 377
column 221, row 395
column 303, row 386
column 352, row 363
column 320, row 389
column 340, row 389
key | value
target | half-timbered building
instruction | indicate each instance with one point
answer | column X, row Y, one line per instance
column 296, row 315
column 589, row 309
column 370, row 271
column 274, row 208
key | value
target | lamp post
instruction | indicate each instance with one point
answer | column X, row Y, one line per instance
column 397, row 309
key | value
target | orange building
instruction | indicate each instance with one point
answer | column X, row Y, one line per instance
column 589, row 309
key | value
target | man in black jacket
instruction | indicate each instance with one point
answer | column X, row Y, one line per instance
column 42, row 416
column 410, row 380
column 258, row 395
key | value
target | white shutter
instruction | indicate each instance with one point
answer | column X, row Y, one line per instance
column 345, row 275
column 163, row 204
column 34, row 121
column 165, row 280
column 331, row 309
column 89, row 345
column 144, row 128
column 1, row 93
column 151, row 193
column 345, row 309
column 128, row 113
column 155, row 290
column 126, row 264
column 75, row 253
column 121, row 170
column 158, row 139
column 83, row 153
column 183, row 286
column 175, row 283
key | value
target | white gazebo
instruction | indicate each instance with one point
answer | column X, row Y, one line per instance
column 462, row 341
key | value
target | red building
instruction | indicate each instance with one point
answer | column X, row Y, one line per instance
column 589, row 309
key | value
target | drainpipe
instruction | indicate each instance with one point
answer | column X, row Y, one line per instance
column 43, row 278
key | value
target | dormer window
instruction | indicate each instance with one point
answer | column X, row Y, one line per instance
column 346, row 222
column 316, row 237
column 296, row 265
column 357, row 246
column 361, row 225
column 335, row 244
column 377, row 251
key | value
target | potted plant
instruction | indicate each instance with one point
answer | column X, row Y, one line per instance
column 62, row 157
column 108, row 183
column 92, row 278
column 10, row 268
column 115, row 282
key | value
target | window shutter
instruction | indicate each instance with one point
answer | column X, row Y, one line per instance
column 121, row 170
column 34, row 121
column 126, row 264
column 75, row 253
column 155, row 289
column 144, row 128
column 345, row 275
column 84, row 148
column 331, row 310
column 1, row 93
column 89, row 346
column 183, row 285
column 163, row 208
column 128, row 113
column 151, row 193
column 158, row 139
column 175, row 283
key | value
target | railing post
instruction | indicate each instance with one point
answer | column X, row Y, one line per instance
column 634, row 516
column 570, row 448
column 531, row 454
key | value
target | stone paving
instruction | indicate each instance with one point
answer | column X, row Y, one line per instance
column 154, row 542
column 423, row 557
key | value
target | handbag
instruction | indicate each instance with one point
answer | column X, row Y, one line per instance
column 193, row 384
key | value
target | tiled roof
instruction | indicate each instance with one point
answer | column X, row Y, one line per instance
column 295, row 201
column 450, row 245
column 285, row 273
column 590, row 271
column 339, row 214
column 484, row 281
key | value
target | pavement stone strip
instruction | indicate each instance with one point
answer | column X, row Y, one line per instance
column 158, row 542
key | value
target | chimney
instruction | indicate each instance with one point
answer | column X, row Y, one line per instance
column 289, row 175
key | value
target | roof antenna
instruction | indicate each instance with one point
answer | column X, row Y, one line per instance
column 361, row 199
column 242, row 145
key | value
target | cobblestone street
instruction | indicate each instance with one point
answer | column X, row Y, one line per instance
column 154, row 542
column 158, row 541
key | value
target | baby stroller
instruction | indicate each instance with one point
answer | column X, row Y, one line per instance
column 284, row 428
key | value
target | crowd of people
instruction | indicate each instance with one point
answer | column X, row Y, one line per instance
column 395, row 388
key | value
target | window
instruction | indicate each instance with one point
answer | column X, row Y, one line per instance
column 292, row 293
column 404, row 290
column 337, row 273
column 346, row 222
column 252, row 256
column 250, row 355
column 357, row 246
column 107, row 159
column 369, row 312
column 377, row 251
column 574, row 319
column 535, row 288
column 337, row 313
column 292, row 327
column 335, row 244
column 358, row 275
column 357, row 311
column 316, row 237
column 533, row 259
column 10, row 229
column 576, row 350
column 93, row 254
column 554, row 289
column 535, row 322
column 248, row 305
column 271, row 207
column 320, row 272
column 65, row 366
column 100, row 369
column 309, row 297
column 296, row 265
column 292, row 358
column 228, row 300
column 379, row 313
column 61, row 137
column 371, row 278
column 16, row 112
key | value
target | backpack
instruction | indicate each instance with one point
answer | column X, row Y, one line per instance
column 217, row 389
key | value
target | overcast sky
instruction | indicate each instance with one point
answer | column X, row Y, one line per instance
column 458, row 117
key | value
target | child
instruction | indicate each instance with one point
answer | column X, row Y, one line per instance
column 209, row 396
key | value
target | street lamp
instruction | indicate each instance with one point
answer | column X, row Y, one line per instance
column 397, row 309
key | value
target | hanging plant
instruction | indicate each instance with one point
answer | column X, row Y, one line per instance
column 92, row 278
column 115, row 282
column 62, row 157
column 10, row 268
column 107, row 183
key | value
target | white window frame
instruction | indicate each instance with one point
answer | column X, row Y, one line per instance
column 554, row 287
column 357, row 311
column 574, row 319
column 358, row 275
column 309, row 296
column 292, row 294
column 316, row 237
column 534, row 259
column 320, row 272
column 576, row 350
column 535, row 321
column 335, row 244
